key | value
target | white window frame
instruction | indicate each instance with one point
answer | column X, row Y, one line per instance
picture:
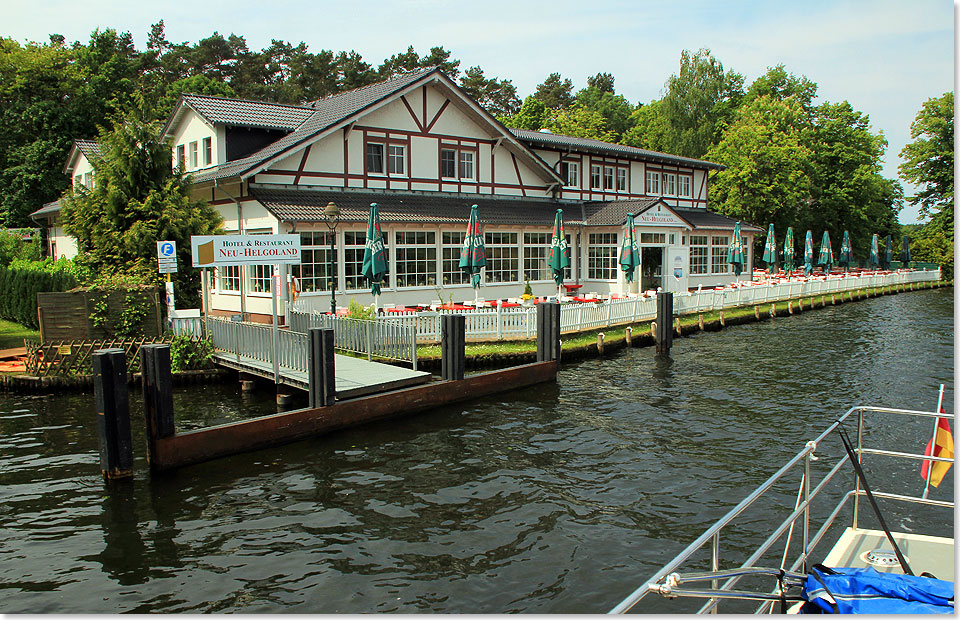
column 684, row 185
column 396, row 159
column 207, row 151
column 88, row 180
column 379, row 159
column 718, row 254
column 451, row 243
column 313, row 272
column 621, row 179
column 571, row 173
column 227, row 279
column 193, row 155
column 669, row 184
column 181, row 155
column 466, row 168
column 653, row 182
column 351, row 266
column 596, row 176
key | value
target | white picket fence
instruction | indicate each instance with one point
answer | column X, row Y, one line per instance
column 393, row 335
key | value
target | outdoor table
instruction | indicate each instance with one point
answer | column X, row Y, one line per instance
column 584, row 300
column 572, row 287
column 507, row 304
column 399, row 310
column 455, row 307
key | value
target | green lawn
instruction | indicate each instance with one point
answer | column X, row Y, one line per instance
column 12, row 335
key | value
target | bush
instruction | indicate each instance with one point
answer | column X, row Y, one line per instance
column 187, row 353
column 22, row 280
column 356, row 310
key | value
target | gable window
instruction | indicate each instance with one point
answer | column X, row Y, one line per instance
column 448, row 163
column 621, row 179
column 466, row 165
column 78, row 180
column 594, row 176
column 607, row 177
column 193, row 154
column 669, row 184
column 653, row 183
column 207, row 151
column 181, row 155
column 374, row 158
column 395, row 157
column 88, row 180
column 458, row 164
column 683, row 186
column 570, row 172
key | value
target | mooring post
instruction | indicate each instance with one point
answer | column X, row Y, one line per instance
column 321, row 371
column 600, row 339
column 548, row 332
column 453, row 330
column 157, row 383
column 664, row 322
column 629, row 336
column 113, row 413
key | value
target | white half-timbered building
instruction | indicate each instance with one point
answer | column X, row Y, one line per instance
column 424, row 151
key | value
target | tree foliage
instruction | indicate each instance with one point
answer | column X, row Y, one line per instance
column 555, row 92
column 498, row 97
column 136, row 201
column 928, row 160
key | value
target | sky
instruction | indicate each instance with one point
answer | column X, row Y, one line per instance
column 886, row 57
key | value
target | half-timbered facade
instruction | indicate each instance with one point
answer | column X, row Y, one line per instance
column 424, row 151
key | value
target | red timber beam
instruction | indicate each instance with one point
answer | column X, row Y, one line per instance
column 203, row 445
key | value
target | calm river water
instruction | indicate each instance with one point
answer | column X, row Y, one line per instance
column 556, row 499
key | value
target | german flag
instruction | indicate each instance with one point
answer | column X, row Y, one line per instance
column 940, row 445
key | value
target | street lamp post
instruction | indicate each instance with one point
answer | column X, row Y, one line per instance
column 331, row 216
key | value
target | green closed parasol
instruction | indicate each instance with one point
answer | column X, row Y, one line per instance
column 808, row 254
column 875, row 251
column 905, row 253
column 735, row 252
column 888, row 253
column 629, row 252
column 846, row 252
column 473, row 255
column 788, row 252
column 770, row 250
column 374, row 253
column 558, row 255
column 826, row 253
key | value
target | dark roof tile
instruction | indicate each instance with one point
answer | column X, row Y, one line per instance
column 243, row 113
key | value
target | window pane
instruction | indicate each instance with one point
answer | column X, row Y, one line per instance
column 466, row 165
column 621, row 179
column 396, row 159
column 375, row 158
column 607, row 177
column 448, row 163
column 602, row 256
column 452, row 242
column 595, row 176
column 535, row 246
column 503, row 257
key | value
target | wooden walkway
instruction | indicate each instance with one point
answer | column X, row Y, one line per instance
column 354, row 377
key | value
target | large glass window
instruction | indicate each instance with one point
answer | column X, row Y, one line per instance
column 451, row 244
column 699, row 251
column 374, row 158
column 503, row 257
column 653, row 183
column 659, row 238
column 354, row 243
column 259, row 276
column 718, row 255
column 227, row 278
column 416, row 253
column 313, row 272
column 535, row 247
column 602, row 256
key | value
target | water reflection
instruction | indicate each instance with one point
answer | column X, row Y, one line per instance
column 555, row 499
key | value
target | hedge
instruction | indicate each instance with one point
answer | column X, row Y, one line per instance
column 19, row 288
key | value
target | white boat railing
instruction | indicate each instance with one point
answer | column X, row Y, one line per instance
column 808, row 459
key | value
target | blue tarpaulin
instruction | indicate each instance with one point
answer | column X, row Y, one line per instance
column 867, row 591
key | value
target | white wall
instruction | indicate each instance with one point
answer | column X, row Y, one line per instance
column 192, row 128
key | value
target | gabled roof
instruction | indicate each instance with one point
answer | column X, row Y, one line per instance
column 87, row 148
column 48, row 209
column 335, row 111
column 542, row 138
column 238, row 113
column 614, row 213
column 701, row 218
column 395, row 208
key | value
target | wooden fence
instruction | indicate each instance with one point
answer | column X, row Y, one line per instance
column 71, row 358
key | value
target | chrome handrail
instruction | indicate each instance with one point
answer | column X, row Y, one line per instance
column 711, row 535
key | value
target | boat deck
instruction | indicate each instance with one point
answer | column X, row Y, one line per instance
column 924, row 554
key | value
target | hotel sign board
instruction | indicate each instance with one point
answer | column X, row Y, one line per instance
column 229, row 250
column 658, row 217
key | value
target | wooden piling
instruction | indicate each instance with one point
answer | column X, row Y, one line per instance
column 113, row 413
column 548, row 332
column 600, row 338
column 321, row 368
column 452, row 346
column 664, row 333
column 700, row 321
column 628, row 334
column 157, row 383
column 756, row 312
